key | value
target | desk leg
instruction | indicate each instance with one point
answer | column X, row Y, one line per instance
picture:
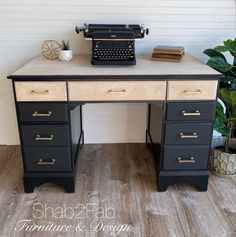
column 154, row 133
column 196, row 178
column 65, row 180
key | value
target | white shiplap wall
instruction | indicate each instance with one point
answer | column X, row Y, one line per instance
column 25, row 24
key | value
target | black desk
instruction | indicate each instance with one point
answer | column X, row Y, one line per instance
column 49, row 97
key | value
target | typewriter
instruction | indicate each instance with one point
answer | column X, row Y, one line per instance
column 113, row 44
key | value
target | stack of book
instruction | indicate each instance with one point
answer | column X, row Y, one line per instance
column 168, row 53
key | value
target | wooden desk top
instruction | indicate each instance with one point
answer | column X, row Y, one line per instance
column 81, row 67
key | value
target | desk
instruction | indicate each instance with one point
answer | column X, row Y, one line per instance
column 49, row 97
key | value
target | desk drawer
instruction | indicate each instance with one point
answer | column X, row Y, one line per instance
column 45, row 135
column 190, row 111
column 192, row 90
column 43, row 112
column 188, row 133
column 117, row 90
column 40, row 91
column 185, row 157
column 47, row 159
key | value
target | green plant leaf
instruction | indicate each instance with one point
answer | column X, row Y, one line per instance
column 219, row 64
column 65, row 45
column 225, row 96
column 221, row 127
column 221, row 49
column 231, row 46
column 233, row 71
column 220, row 112
column 233, row 119
column 213, row 53
column 225, row 81
column 233, row 99
column 234, row 115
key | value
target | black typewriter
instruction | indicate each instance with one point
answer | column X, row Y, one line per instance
column 113, row 44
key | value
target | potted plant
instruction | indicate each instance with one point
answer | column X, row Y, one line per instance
column 65, row 54
column 223, row 157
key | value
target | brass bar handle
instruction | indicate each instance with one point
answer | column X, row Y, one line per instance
column 196, row 113
column 192, row 92
column 50, row 162
column 39, row 138
column 34, row 92
column 194, row 135
column 190, row 160
column 117, row 91
column 36, row 114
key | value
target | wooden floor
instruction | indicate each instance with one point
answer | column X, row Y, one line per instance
column 118, row 179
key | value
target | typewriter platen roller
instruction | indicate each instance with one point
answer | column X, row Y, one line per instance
column 113, row 44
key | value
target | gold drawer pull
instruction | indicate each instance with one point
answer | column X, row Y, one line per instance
column 36, row 114
column 196, row 113
column 39, row 138
column 194, row 135
column 192, row 92
column 191, row 160
column 50, row 162
column 116, row 91
column 33, row 92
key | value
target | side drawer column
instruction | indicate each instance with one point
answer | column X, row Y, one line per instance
column 186, row 133
column 47, row 144
column 186, row 145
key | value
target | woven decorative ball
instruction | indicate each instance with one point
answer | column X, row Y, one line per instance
column 50, row 49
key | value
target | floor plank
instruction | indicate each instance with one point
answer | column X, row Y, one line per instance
column 121, row 179
column 157, row 215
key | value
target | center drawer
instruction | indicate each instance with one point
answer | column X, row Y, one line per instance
column 45, row 135
column 188, row 133
column 47, row 159
column 116, row 90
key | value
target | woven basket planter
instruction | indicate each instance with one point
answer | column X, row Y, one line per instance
column 222, row 162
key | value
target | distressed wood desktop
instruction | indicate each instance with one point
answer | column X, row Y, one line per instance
column 49, row 96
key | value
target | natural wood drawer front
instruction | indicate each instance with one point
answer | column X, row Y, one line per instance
column 40, row 91
column 192, row 90
column 117, row 90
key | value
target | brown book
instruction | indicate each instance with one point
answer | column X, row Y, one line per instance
column 169, row 52
column 172, row 56
column 169, row 48
column 179, row 50
column 166, row 60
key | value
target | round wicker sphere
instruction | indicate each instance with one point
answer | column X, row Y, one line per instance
column 50, row 49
